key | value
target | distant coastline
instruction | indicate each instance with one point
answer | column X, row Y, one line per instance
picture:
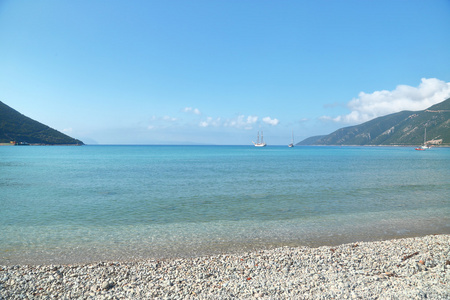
column 9, row 144
column 367, row 146
column 372, row 146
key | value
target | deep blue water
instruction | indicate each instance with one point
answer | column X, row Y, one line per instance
column 76, row 204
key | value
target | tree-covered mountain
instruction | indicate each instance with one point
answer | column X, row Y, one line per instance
column 402, row 128
column 18, row 128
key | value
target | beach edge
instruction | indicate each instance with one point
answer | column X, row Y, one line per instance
column 416, row 267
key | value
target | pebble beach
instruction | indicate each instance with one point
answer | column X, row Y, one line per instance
column 408, row 268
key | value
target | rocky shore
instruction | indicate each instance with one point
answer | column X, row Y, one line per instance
column 410, row 268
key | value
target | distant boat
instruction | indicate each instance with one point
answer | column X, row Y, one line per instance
column 259, row 143
column 291, row 145
column 424, row 146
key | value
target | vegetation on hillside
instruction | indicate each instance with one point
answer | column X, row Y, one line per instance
column 403, row 128
column 19, row 128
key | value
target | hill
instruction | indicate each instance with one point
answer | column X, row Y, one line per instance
column 402, row 128
column 311, row 140
column 19, row 128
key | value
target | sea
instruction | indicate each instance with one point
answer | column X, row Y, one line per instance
column 66, row 205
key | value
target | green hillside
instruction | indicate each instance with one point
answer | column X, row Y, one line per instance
column 403, row 128
column 16, row 127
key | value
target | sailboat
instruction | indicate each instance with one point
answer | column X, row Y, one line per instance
column 424, row 146
column 291, row 145
column 258, row 142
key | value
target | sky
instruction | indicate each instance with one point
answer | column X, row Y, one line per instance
column 218, row 71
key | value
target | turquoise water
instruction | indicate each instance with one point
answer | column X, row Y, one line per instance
column 79, row 204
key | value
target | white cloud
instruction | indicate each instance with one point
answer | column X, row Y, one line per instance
column 403, row 97
column 210, row 122
column 242, row 122
column 169, row 119
column 68, row 130
column 270, row 121
column 192, row 110
column 252, row 119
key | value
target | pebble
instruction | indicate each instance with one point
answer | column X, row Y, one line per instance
column 410, row 268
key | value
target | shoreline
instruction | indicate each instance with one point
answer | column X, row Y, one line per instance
column 404, row 268
column 86, row 252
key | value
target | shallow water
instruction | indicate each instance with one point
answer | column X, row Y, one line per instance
column 78, row 204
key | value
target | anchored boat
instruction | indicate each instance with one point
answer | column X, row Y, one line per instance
column 291, row 145
column 259, row 143
column 424, row 146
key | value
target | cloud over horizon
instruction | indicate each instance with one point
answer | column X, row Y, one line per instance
column 195, row 111
column 404, row 97
column 271, row 121
column 210, row 122
column 240, row 122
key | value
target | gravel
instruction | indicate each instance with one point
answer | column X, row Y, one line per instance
column 409, row 268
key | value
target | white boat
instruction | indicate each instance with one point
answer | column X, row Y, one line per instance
column 259, row 143
column 291, row 145
column 424, row 146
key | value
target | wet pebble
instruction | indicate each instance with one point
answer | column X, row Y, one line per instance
column 411, row 268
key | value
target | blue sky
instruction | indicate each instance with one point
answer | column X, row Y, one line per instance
column 216, row 72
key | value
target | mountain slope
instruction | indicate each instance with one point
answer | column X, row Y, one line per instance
column 403, row 128
column 311, row 140
column 16, row 127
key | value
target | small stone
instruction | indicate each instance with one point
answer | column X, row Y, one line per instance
column 107, row 285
